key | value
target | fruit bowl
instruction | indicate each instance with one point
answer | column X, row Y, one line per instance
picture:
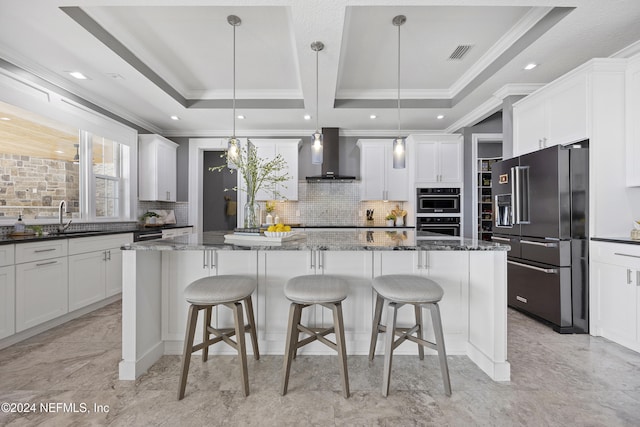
column 278, row 233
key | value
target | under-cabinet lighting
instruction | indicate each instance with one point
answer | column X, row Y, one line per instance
column 530, row 66
column 78, row 75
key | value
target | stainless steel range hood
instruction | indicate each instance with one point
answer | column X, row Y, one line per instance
column 331, row 159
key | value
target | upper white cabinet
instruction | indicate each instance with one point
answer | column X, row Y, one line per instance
column 157, row 157
column 633, row 122
column 556, row 114
column 380, row 181
column 436, row 159
column 288, row 149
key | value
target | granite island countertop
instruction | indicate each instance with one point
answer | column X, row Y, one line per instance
column 343, row 240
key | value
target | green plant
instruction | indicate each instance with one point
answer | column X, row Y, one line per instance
column 257, row 173
column 390, row 217
column 149, row 214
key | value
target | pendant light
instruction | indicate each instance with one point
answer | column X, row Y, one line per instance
column 399, row 144
column 233, row 145
column 316, row 138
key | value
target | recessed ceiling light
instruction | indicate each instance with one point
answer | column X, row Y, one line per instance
column 175, row 118
column 530, row 66
column 78, row 75
column 240, row 117
column 307, row 117
column 373, row 116
column 5, row 118
column 439, row 117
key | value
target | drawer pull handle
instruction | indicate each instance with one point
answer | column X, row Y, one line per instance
column 632, row 256
column 40, row 264
column 500, row 239
column 628, row 276
column 519, row 298
column 532, row 267
column 546, row 245
column 44, row 250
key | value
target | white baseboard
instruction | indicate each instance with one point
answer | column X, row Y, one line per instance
column 497, row 371
column 130, row 370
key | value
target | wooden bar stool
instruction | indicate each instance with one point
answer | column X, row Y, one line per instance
column 206, row 293
column 398, row 290
column 305, row 291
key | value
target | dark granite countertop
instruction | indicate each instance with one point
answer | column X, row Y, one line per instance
column 344, row 240
column 5, row 240
column 625, row 240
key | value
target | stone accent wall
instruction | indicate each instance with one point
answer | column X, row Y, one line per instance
column 35, row 186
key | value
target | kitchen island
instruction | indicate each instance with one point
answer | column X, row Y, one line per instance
column 472, row 273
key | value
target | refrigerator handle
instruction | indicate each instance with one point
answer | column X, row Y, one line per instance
column 515, row 196
column 521, row 191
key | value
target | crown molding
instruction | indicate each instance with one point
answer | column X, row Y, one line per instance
column 485, row 109
column 517, row 89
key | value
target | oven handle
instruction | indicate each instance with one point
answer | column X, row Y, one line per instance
column 501, row 239
column 532, row 267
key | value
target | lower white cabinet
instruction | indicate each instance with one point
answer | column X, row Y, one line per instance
column 95, row 268
column 448, row 269
column 174, row 232
column 41, row 292
column 615, row 296
column 7, row 301
column 180, row 268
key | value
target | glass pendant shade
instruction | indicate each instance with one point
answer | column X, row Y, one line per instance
column 233, row 150
column 316, row 148
column 399, row 149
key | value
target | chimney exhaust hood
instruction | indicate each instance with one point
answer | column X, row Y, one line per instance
column 331, row 159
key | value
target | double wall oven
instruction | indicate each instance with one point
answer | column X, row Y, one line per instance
column 438, row 210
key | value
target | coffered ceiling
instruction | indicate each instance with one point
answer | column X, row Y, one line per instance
column 146, row 61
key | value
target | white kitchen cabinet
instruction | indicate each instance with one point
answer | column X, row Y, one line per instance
column 95, row 268
column 379, row 180
column 41, row 291
column 157, row 164
column 7, row 255
column 7, row 301
column 556, row 114
column 614, row 295
column 632, row 122
column 448, row 269
column 169, row 233
column 183, row 268
column 268, row 149
column 280, row 266
column 436, row 159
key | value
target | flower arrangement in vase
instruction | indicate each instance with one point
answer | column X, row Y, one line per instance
column 257, row 174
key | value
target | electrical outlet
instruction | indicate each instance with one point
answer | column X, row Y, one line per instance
column 297, row 212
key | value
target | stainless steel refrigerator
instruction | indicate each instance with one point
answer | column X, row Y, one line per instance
column 541, row 210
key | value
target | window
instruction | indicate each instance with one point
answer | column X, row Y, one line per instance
column 43, row 162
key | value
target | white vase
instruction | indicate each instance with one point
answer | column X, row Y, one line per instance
column 389, row 223
column 399, row 221
column 269, row 219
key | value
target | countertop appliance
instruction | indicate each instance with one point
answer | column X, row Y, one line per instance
column 541, row 210
column 437, row 200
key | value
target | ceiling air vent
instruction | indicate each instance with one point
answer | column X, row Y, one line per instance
column 460, row 51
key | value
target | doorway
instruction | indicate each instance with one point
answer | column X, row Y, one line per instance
column 219, row 207
column 486, row 149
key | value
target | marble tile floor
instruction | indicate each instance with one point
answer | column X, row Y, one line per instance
column 557, row 380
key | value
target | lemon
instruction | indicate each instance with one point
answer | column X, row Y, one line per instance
column 271, row 228
column 287, row 228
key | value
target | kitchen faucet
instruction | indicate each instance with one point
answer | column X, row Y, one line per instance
column 62, row 208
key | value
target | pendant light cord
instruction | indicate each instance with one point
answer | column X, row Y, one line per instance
column 398, row 81
column 234, row 82
column 317, row 68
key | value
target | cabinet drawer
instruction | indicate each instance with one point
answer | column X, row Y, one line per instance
column 28, row 252
column 98, row 243
column 616, row 254
column 7, row 255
